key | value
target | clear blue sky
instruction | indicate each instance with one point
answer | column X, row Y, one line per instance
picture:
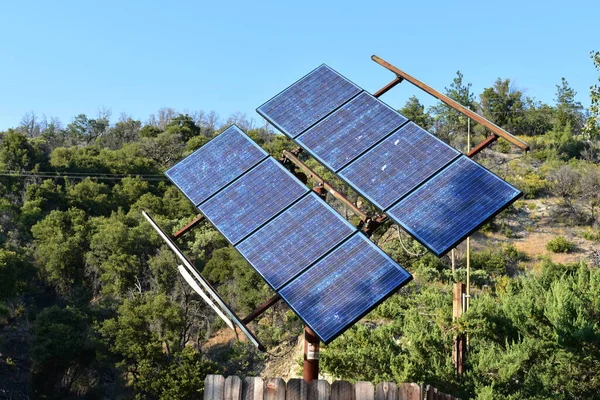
column 63, row 58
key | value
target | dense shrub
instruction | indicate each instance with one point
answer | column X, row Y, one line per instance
column 560, row 245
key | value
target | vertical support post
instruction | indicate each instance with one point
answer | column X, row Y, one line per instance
column 453, row 260
column 468, row 294
column 311, row 355
column 459, row 345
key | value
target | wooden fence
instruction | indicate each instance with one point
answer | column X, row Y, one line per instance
column 217, row 387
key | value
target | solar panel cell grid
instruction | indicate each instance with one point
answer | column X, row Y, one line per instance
column 394, row 167
column 308, row 100
column 342, row 287
column 215, row 164
column 452, row 204
column 295, row 239
column 350, row 130
column 252, row 200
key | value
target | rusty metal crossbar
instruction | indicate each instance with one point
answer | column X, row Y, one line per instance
column 455, row 105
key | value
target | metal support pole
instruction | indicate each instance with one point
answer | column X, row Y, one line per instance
column 453, row 260
column 468, row 294
column 311, row 355
column 459, row 345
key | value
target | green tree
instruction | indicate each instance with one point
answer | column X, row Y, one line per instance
column 165, row 149
column 129, row 190
column 61, row 240
column 591, row 128
column 242, row 287
column 91, row 196
column 146, row 340
column 87, row 130
column 116, row 261
column 537, row 118
column 15, row 273
column 16, row 153
column 150, row 131
column 448, row 121
column 125, row 131
column 60, row 351
column 183, row 125
column 568, row 111
column 503, row 105
column 40, row 199
column 415, row 111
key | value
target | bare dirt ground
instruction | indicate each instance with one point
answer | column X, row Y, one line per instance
column 533, row 227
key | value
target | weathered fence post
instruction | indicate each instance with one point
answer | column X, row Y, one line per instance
column 297, row 389
column 253, row 388
column 386, row 391
column 364, row 391
column 410, row 391
column 318, row 389
column 275, row 389
column 233, row 388
column 214, row 387
column 342, row 390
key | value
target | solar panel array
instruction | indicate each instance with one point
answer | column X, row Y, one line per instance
column 459, row 200
column 253, row 199
column 342, row 287
column 295, row 239
column 387, row 160
column 311, row 99
column 285, row 231
column 215, row 164
column 350, row 130
column 404, row 160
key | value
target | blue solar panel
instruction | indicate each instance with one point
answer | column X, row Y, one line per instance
column 308, row 100
column 215, row 164
column 397, row 165
column 344, row 286
column 453, row 204
column 252, row 200
column 295, row 239
column 349, row 131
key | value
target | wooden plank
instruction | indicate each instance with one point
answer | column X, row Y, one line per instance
column 458, row 107
column 214, row 387
column 386, row 391
column 274, row 389
column 297, row 389
column 253, row 388
column 364, row 391
column 409, row 391
column 233, row 388
column 318, row 389
column 342, row 390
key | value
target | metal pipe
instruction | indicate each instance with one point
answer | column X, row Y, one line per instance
column 311, row 355
column 189, row 226
column 458, row 107
column 261, row 309
column 486, row 142
column 387, row 87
